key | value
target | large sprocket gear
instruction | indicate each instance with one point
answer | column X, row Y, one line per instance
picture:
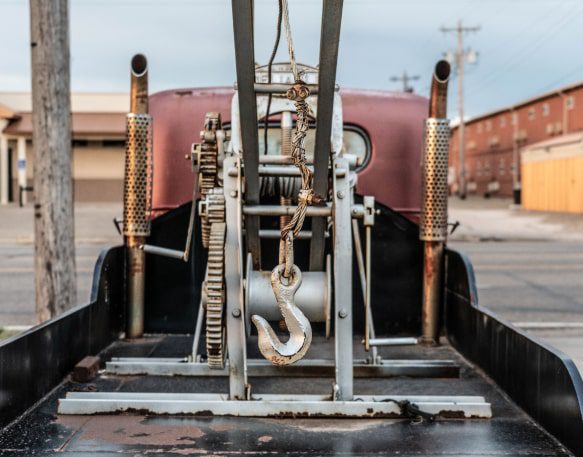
column 211, row 210
column 214, row 290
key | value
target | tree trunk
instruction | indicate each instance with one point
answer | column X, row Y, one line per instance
column 54, row 235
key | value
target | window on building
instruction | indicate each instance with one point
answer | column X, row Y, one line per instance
column 570, row 102
column 488, row 125
column 503, row 121
column 514, row 118
column 531, row 113
column 546, row 109
column 502, row 166
column 114, row 143
column 479, row 127
column 80, row 143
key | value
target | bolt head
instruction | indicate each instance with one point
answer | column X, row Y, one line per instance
column 340, row 194
column 342, row 313
column 236, row 312
column 233, row 194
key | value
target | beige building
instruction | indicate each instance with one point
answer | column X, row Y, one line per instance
column 98, row 145
column 552, row 174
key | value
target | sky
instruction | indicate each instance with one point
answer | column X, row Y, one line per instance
column 524, row 47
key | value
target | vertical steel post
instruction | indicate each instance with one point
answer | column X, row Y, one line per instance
column 433, row 224
column 329, row 41
column 137, row 193
column 245, row 66
column 343, row 284
column 235, row 307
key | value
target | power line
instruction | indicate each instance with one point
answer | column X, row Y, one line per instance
column 518, row 57
column 461, row 54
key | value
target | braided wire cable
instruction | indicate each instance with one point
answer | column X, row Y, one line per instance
column 288, row 37
column 298, row 92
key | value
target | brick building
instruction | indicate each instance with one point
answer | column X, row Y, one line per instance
column 493, row 141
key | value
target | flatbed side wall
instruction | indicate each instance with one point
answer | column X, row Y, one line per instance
column 35, row 362
column 540, row 379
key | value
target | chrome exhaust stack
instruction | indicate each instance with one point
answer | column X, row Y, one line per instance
column 137, row 193
column 433, row 224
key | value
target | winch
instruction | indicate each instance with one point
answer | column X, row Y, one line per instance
column 281, row 226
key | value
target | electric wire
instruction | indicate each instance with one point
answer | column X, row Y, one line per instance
column 269, row 67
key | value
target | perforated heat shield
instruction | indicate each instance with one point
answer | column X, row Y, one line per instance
column 138, row 176
column 433, row 224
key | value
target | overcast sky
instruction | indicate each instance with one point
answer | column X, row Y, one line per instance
column 525, row 46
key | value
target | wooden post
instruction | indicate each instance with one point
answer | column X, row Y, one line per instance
column 54, row 245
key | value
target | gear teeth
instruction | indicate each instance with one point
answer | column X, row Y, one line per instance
column 214, row 212
column 208, row 166
column 215, row 292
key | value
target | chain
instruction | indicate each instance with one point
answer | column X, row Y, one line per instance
column 299, row 92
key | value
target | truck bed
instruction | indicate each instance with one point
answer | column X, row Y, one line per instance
column 510, row 432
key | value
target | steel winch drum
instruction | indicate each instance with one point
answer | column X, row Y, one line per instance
column 313, row 296
column 433, row 223
column 138, row 175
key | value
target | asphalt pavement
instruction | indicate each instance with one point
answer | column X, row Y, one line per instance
column 94, row 230
column 529, row 266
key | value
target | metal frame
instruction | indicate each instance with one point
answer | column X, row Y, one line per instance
column 271, row 405
column 240, row 401
column 234, row 315
column 304, row 368
column 329, row 40
column 245, row 65
column 342, row 242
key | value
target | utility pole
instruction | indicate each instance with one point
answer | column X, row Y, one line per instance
column 405, row 78
column 54, row 237
column 461, row 55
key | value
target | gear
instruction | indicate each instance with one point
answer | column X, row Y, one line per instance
column 214, row 289
column 205, row 159
column 205, row 154
column 211, row 210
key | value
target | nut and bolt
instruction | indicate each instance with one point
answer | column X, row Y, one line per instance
column 236, row 312
column 340, row 194
column 342, row 313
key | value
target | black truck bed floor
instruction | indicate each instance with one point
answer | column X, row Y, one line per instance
column 510, row 432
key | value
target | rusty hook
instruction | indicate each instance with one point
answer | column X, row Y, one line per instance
column 298, row 325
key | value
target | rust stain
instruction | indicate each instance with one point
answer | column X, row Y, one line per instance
column 221, row 428
column 327, row 425
column 178, row 451
column 134, row 430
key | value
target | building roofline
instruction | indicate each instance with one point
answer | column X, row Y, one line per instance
column 528, row 101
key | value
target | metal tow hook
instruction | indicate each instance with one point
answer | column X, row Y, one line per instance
column 298, row 325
